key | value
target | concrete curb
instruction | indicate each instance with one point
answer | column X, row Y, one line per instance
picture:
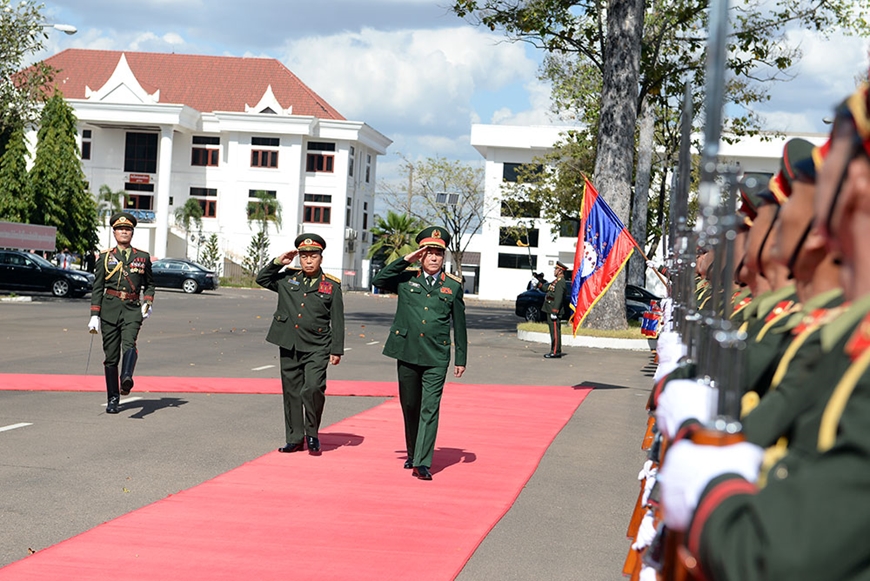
column 594, row 342
column 15, row 299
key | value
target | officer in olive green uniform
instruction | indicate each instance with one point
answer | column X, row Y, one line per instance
column 553, row 304
column 429, row 299
column 122, row 274
column 308, row 326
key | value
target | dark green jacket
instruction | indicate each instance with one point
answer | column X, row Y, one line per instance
column 309, row 317
column 130, row 276
column 420, row 333
column 555, row 298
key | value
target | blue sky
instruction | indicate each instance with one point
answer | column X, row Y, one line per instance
column 408, row 68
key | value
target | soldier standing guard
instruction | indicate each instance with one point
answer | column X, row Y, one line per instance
column 122, row 273
column 553, row 303
column 420, row 340
column 308, row 326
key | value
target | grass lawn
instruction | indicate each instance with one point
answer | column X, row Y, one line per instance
column 633, row 332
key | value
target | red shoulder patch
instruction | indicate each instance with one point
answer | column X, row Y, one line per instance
column 860, row 339
column 779, row 309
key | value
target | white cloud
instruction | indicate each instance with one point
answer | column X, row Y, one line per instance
column 538, row 114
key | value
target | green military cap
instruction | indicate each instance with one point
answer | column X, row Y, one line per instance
column 123, row 220
column 433, row 236
column 750, row 186
column 779, row 188
column 561, row 265
column 310, row 243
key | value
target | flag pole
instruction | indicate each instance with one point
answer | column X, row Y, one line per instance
column 639, row 249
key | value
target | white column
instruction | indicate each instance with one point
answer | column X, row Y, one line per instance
column 164, row 176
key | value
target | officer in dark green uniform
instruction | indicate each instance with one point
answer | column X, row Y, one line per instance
column 122, row 274
column 308, row 326
column 553, row 304
column 429, row 299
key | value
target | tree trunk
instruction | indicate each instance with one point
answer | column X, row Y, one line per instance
column 616, row 129
column 637, row 264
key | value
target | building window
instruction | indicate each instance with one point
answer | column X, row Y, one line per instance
column 86, row 144
column 139, row 202
column 520, row 209
column 317, row 162
column 365, row 225
column 140, row 153
column 253, row 199
column 368, row 167
column 269, row 194
column 316, row 214
column 202, row 156
column 131, row 187
column 322, row 198
column 266, row 141
column 320, row 146
column 520, row 261
column 207, row 199
column 350, row 161
column 510, row 171
column 510, row 237
column 264, row 158
column 569, row 228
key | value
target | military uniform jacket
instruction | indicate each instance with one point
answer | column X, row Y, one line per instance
column 765, row 345
column 555, row 296
column 420, row 333
column 120, row 283
column 310, row 316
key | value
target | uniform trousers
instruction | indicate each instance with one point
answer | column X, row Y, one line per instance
column 303, row 382
column 555, row 327
column 420, row 389
column 120, row 336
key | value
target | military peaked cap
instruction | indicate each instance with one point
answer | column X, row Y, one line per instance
column 434, row 237
column 310, row 243
column 123, row 219
column 779, row 188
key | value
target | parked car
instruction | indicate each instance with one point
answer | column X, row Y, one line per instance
column 529, row 303
column 25, row 271
column 184, row 274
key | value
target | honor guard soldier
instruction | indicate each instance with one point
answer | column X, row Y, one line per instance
column 553, row 307
column 121, row 299
column 308, row 327
column 419, row 340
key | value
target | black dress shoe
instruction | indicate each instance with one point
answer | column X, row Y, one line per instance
column 553, row 356
column 409, row 464
column 422, row 473
column 313, row 445
column 112, row 406
column 126, row 385
column 289, row 448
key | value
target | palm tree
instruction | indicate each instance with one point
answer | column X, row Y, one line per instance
column 109, row 202
column 264, row 210
column 189, row 213
column 393, row 237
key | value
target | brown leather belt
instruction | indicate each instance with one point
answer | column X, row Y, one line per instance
column 124, row 296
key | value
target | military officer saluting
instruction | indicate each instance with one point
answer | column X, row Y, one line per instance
column 122, row 297
column 308, row 327
column 419, row 340
column 553, row 304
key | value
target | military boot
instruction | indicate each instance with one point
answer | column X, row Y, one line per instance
column 128, row 364
column 112, row 389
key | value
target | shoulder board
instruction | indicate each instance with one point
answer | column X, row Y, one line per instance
column 105, row 251
column 454, row 277
column 331, row 277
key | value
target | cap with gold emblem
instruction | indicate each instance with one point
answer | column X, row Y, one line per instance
column 433, row 237
column 123, row 220
column 562, row 265
column 779, row 188
column 310, row 243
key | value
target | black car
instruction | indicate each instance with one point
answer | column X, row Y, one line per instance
column 184, row 274
column 529, row 303
column 25, row 271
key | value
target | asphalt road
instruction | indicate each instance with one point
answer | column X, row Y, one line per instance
column 76, row 467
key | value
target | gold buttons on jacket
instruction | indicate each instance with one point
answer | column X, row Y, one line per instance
column 421, row 334
column 299, row 316
column 424, row 321
column 425, row 308
column 397, row 332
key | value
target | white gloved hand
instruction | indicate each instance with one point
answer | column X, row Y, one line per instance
column 684, row 399
column 689, row 468
column 648, row 485
column 647, row 573
column 650, row 264
column 669, row 347
column 646, row 471
column 664, row 369
column 94, row 324
column 146, row 310
column 646, row 532
column 553, row 317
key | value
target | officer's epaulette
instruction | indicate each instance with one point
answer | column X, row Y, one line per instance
column 454, row 277
column 331, row 277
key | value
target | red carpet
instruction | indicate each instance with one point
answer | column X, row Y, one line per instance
column 36, row 382
column 352, row 513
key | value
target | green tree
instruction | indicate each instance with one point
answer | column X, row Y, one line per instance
column 211, row 254
column 110, row 202
column 22, row 91
column 393, row 237
column 265, row 210
column 257, row 253
column 187, row 215
column 15, row 193
column 60, row 192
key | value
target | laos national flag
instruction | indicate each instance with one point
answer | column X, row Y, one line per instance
column 603, row 248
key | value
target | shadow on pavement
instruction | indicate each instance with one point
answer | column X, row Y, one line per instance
column 149, row 406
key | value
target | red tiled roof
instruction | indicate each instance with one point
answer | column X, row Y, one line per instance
column 205, row 83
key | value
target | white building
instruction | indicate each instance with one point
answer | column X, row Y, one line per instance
column 504, row 266
column 168, row 127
